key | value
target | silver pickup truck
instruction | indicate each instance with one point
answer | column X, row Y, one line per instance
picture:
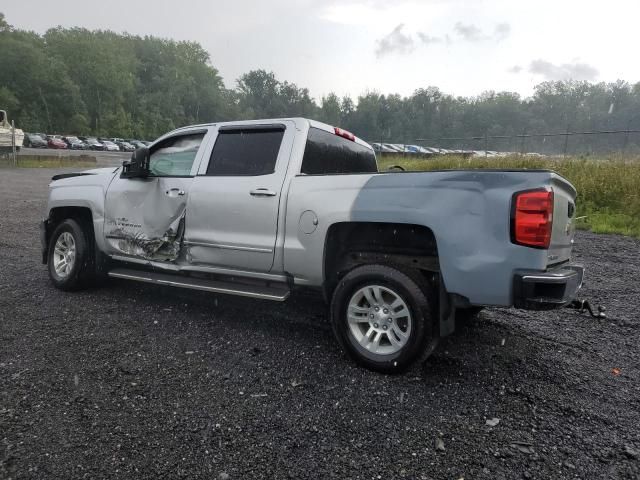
column 259, row 208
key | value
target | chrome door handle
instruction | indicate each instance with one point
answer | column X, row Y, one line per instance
column 262, row 192
column 172, row 192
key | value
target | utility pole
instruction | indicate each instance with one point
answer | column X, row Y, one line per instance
column 13, row 143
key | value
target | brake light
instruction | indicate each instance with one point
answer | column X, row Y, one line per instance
column 532, row 218
column 345, row 134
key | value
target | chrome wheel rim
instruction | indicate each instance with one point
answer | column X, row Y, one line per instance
column 64, row 254
column 379, row 320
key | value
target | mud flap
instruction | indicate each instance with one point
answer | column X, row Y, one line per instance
column 446, row 311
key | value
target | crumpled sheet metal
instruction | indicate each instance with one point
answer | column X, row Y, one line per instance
column 130, row 239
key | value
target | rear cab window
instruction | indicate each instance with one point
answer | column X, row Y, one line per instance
column 246, row 151
column 329, row 154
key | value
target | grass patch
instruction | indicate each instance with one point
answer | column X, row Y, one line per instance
column 42, row 161
column 608, row 187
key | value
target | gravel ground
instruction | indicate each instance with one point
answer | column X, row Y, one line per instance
column 135, row 381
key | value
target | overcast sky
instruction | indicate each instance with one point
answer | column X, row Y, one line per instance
column 392, row 46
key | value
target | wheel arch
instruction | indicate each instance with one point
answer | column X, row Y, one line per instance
column 82, row 214
column 350, row 244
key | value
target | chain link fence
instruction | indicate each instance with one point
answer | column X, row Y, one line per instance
column 568, row 143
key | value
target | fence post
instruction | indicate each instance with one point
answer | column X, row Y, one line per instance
column 486, row 141
column 566, row 143
column 13, row 143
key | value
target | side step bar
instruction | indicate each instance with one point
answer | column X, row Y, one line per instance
column 278, row 294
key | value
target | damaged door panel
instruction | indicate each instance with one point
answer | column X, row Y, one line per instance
column 145, row 217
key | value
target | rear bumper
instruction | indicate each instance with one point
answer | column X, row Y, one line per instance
column 535, row 290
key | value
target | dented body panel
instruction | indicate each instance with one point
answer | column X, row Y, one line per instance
column 145, row 217
column 87, row 191
column 467, row 211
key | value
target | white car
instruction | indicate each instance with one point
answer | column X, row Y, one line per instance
column 110, row 146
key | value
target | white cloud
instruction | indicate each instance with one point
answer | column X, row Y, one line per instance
column 395, row 42
column 428, row 39
column 469, row 32
column 502, row 31
column 565, row 71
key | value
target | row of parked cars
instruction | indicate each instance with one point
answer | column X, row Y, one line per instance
column 41, row 140
column 395, row 148
column 398, row 149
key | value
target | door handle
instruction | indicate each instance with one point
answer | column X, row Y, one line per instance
column 172, row 192
column 262, row 192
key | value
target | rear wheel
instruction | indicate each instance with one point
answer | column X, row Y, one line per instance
column 71, row 264
column 382, row 318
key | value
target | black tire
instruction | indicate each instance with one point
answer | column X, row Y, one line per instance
column 418, row 296
column 82, row 272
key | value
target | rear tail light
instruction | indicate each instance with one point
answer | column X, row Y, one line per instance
column 345, row 134
column 532, row 218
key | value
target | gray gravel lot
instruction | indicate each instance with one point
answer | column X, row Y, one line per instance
column 135, row 381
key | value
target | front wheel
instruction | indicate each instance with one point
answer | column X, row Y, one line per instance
column 382, row 318
column 71, row 266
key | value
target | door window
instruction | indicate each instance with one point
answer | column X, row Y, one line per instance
column 245, row 152
column 174, row 156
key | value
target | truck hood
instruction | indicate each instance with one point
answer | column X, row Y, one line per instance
column 110, row 171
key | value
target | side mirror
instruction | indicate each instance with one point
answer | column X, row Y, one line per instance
column 138, row 166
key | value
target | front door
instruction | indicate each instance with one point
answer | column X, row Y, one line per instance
column 234, row 202
column 145, row 217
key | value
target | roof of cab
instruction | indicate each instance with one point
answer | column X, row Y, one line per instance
column 312, row 123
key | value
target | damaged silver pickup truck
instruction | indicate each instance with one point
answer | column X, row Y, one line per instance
column 259, row 208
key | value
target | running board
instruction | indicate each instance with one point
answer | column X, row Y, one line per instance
column 278, row 294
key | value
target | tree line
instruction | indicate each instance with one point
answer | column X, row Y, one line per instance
column 74, row 80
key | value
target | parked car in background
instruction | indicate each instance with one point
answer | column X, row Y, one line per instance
column 109, row 146
column 33, row 140
column 125, row 146
column 418, row 149
column 56, row 142
column 137, row 143
column 393, row 147
column 92, row 143
column 381, row 148
column 74, row 143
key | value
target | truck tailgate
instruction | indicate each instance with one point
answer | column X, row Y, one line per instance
column 563, row 229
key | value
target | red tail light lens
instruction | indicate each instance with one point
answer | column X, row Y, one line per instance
column 345, row 134
column 532, row 218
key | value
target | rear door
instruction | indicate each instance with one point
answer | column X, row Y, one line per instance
column 235, row 199
column 145, row 217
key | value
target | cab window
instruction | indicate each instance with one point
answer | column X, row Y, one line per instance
column 329, row 154
column 249, row 152
column 174, row 156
